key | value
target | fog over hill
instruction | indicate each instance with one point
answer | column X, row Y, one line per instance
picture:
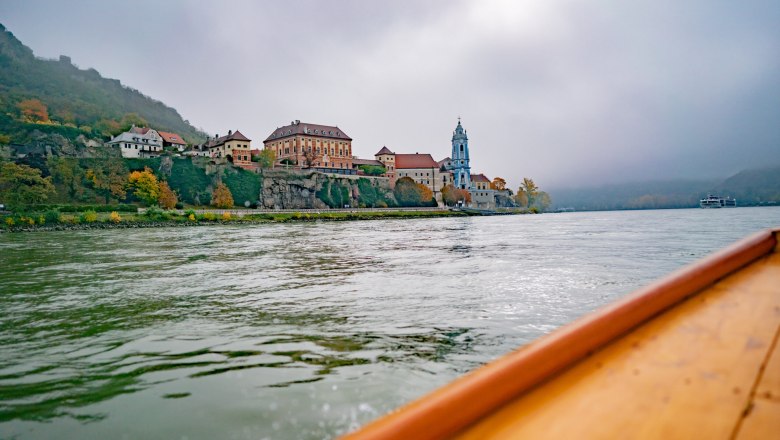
column 757, row 186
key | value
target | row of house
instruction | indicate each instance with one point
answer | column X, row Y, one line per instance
column 326, row 149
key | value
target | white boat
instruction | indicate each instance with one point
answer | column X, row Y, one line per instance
column 717, row 202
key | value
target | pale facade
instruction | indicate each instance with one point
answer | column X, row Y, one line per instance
column 138, row 143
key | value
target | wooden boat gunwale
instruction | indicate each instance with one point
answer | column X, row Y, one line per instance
column 448, row 410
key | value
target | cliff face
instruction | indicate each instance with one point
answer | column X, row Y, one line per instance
column 290, row 190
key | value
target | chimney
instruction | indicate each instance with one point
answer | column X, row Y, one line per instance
column 216, row 136
column 230, row 132
column 297, row 122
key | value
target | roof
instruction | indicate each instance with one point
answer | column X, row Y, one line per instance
column 367, row 162
column 172, row 138
column 384, row 150
column 298, row 127
column 231, row 136
column 416, row 160
column 139, row 130
column 479, row 178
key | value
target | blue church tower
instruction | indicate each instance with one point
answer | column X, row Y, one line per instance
column 461, row 170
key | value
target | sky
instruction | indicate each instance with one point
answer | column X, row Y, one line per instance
column 569, row 93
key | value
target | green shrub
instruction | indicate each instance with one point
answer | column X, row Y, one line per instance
column 52, row 216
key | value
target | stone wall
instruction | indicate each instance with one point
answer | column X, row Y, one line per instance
column 286, row 189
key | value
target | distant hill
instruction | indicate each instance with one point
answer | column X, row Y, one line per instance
column 40, row 98
column 750, row 187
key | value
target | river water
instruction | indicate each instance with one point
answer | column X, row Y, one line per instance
column 303, row 330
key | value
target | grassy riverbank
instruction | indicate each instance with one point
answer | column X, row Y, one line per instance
column 57, row 221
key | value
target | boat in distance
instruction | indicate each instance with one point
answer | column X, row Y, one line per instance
column 717, row 202
column 692, row 355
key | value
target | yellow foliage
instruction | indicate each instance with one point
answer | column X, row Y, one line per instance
column 90, row 216
column 191, row 217
column 31, row 221
column 9, row 221
column 226, row 216
column 115, row 217
column 41, row 220
column 221, row 197
column 147, row 188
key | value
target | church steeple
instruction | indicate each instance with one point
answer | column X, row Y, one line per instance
column 461, row 170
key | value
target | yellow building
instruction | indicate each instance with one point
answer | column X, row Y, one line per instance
column 324, row 148
column 235, row 146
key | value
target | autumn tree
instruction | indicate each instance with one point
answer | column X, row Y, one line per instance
column 21, row 185
column 520, row 198
column 265, row 159
column 33, row 110
column 452, row 195
column 410, row 193
column 498, row 184
column 145, row 186
column 221, row 197
column 168, row 198
column 530, row 190
column 109, row 177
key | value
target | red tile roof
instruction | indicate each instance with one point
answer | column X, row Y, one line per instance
column 384, row 150
column 172, row 138
column 232, row 136
column 139, row 130
column 298, row 127
column 479, row 178
column 406, row 161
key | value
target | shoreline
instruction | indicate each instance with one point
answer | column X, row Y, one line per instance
column 251, row 219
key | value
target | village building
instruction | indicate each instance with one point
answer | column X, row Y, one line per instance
column 233, row 147
column 173, row 141
column 138, row 142
column 482, row 195
column 387, row 159
column 461, row 169
column 445, row 168
column 324, row 148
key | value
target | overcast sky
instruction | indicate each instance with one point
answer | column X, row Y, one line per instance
column 570, row 93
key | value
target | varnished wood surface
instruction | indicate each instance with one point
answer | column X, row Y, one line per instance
column 689, row 373
column 492, row 391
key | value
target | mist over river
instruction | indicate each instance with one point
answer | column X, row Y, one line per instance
column 303, row 330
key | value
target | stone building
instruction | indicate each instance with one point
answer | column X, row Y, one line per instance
column 324, row 148
column 482, row 195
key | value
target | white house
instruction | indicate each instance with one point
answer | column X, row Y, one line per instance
column 138, row 142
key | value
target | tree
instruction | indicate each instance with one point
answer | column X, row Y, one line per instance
column 498, row 184
column 21, row 185
column 168, row 198
column 410, row 193
column 310, row 157
column 520, row 198
column 33, row 110
column 67, row 172
column 372, row 170
column 145, row 185
column 265, row 159
column 543, row 201
column 452, row 195
column 531, row 191
column 221, row 197
column 109, row 177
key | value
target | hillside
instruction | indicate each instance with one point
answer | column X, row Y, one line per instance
column 757, row 186
column 53, row 99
